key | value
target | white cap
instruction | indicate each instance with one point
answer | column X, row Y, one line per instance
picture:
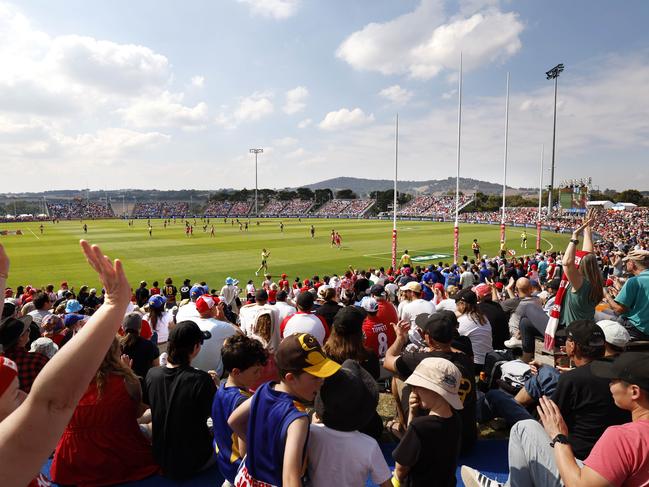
column 614, row 333
column 370, row 305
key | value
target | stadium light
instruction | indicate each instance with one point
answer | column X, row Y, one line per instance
column 553, row 74
column 255, row 152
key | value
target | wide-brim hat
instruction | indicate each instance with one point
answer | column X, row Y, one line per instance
column 347, row 400
column 441, row 376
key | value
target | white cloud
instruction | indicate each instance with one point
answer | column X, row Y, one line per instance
column 295, row 100
column 426, row 41
column 296, row 154
column 396, row 94
column 276, row 9
column 285, row 142
column 345, row 118
column 111, row 143
column 198, row 81
column 304, row 123
column 165, row 110
column 249, row 109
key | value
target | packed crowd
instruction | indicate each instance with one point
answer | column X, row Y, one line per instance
column 297, row 207
column 240, row 208
column 358, row 208
column 165, row 209
column 332, row 207
column 273, row 208
column 433, row 206
column 218, row 208
column 275, row 382
column 78, row 208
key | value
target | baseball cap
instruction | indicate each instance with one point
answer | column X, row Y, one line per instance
column 187, row 333
column 584, row 332
column 157, row 301
column 370, row 305
column 482, row 290
column 441, row 376
column 412, row 286
column 73, row 306
column 72, row 319
column 441, row 326
column 284, row 276
column 132, row 321
column 205, row 303
column 466, row 296
column 305, row 300
column 11, row 328
column 196, row 291
column 44, row 346
column 631, row 367
column 499, row 286
column 637, row 255
column 614, row 333
column 378, row 290
column 322, row 290
column 8, row 372
column 302, row 351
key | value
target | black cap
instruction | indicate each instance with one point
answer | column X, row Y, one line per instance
column 305, row 300
column 631, row 367
column 441, row 326
column 261, row 295
column 349, row 320
column 188, row 333
column 467, row 296
column 378, row 290
column 583, row 332
column 11, row 329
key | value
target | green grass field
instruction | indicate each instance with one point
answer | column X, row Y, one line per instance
column 55, row 256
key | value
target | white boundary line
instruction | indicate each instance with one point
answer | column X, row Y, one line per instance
column 37, row 238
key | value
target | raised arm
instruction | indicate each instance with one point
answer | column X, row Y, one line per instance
column 31, row 432
column 568, row 259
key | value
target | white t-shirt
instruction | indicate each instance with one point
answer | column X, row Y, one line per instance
column 209, row 357
column 329, row 449
column 411, row 310
column 162, row 325
column 480, row 336
column 447, row 304
column 285, row 310
column 305, row 323
column 467, row 279
column 187, row 312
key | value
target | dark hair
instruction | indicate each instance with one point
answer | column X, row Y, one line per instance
column 168, row 280
column 129, row 339
column 155, row 283
column 592, row 353
column 41, row 300
column 154, row 316
column 179, row 354
column 349, row 346
column 242, row 352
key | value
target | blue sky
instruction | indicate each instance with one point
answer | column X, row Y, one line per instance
column 170, row 95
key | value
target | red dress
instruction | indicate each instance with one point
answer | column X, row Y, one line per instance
column 102, row 444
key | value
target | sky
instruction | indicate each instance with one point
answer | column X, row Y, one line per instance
column 151, row 94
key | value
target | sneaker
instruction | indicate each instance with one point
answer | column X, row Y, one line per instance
column 472, row 478
column 513, row 343
column 256, row 273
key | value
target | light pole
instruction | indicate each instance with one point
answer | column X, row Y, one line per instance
column 255, row 152
column 553, row 74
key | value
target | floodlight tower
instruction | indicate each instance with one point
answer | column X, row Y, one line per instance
column 553, row 74
column 255, row 152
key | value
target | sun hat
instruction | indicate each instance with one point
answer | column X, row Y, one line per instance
column 229, row 281
column 302, row 352
column 441, row 376
column 614, row 333
column 44, row 346
column 73, row 306
column 157, row 301
column 347, row 400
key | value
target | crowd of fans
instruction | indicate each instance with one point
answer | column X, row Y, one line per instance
column 273, row 208
column 277, row 379
column 433, row 206
column 297, row 207
column 217, row 208
column 79, row 208
column 165, row 209
column 333, row 207
column 240, row 208
column 357, row 208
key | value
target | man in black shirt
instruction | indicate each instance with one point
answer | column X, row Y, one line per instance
column 142, row 294
column 185, row 290
column 438, row 332
column 497, row 317
column 181, row 401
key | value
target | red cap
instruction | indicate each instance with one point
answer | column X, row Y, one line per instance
column 609, row 282
column 499, row 286
column 206, row 302
column 9, row 292
column 439, row 285
column 307, row 282
column 284, row 276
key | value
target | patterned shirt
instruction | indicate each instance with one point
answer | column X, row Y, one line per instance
column 29, row 366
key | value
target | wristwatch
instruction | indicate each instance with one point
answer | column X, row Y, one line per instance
column 574, row 240
column 560, row 438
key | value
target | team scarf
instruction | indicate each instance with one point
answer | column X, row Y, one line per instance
column 555, row 311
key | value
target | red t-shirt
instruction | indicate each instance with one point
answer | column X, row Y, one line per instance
column 283, row 285
column 387, row 312
column 378, row 335
column 154, row 290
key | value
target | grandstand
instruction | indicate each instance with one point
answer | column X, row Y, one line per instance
column 217, row 208
column 273, row 208
column 358, row 208
column 297, row 208
column 79, row 208
column 144, row 209
column 433, row 206
column 333, row 207
column 240, row 208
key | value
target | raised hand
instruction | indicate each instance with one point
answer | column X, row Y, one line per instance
column 111, row 274
column 401, row 328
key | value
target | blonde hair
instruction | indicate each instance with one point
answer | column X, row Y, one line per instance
column 112, row 364
column 263, row 327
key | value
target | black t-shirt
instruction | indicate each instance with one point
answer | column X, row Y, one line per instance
column 141, row 296
column 184, row 292
column 430, row 448
column 587, row 407
column 181, row 401
column 407, row 363
column 328, row 311
column 143, row 353
column 499, row 322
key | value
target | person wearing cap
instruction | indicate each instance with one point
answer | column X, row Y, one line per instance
column 144, row 353
column 387, row 312
column 379, row 335
column 248, row 316
column 212, row 320
column 188, row 311
column 494, row 313
column 229, row 294
column 243, row 360
column 616, row 337
column 73, row 306
column 475, row 325
column 181, row 400
column 428, row 452
column 14, row 336
column 273, row 422
column 413, row 305
column 345, row 404
column 284, row 284
column 632, row 302
column 304, row 321
column 329, row 305
column 159, row 319
column 439, row 330
column 540, row 453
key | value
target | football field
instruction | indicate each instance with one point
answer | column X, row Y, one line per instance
column 54, row 256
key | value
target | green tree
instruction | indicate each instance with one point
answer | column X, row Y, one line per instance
column 346, row 194
column 630, row 196
column 305, row 193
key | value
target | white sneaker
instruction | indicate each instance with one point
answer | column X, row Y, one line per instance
column 513, row 343
column 472, row 478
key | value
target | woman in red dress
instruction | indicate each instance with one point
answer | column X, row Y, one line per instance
column 103, row 444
